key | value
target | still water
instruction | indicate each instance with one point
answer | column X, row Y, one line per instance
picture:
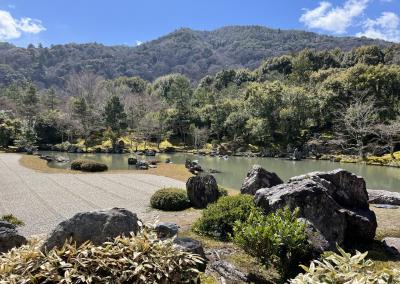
column 233, row 170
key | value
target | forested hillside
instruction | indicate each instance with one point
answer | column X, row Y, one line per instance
column 320, row 101
column 192, row 53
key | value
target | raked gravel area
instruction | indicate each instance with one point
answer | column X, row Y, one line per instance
column 42, row 200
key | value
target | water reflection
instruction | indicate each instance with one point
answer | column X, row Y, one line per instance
column 234, row 169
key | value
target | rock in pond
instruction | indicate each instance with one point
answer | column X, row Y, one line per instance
column 335, row 203
column 95, row 226
column 258, row 178
column 383, row 197
column 166, row 230
column 202, row 190
column 9, row 237
column 132, row 161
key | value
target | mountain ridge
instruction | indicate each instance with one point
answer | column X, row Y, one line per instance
column 187, row 51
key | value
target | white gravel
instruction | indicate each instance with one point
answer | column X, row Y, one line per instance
column 42, row 200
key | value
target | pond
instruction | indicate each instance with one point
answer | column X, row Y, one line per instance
column 234, row 169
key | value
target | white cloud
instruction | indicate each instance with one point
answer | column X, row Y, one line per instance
column 386, row 27
column 138, row 42
column 334, row 19
column 11, row 28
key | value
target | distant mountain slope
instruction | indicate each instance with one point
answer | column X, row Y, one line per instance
column 194, row 53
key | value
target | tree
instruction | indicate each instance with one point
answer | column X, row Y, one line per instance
column 390, row 134
column 200, row 136
column 114, row 118
column 356, row 123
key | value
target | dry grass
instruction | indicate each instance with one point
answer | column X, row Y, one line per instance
column 175, row 171
column 388, row 222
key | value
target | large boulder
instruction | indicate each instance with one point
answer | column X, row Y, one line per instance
column 9, row 237
column 202, row 190
column 95, row 226
column 335, row 203
column 258, row 178
column 383, row 197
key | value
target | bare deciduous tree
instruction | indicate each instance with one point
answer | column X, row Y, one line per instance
column 390, row 134
column 356, row 123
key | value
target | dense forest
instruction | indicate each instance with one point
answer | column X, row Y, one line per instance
column 194, row 54
column 347, row 102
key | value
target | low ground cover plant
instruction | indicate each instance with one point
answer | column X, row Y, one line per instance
column 88, row 166
column 342, row 267
column 134, row 259
column 277, row 238
column 170, row 199
column 10, row 218
column 218, row 218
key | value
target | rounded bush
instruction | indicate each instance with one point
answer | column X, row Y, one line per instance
column 76, row 164
column 218, row 218
column 170, row 199
column 88, row 166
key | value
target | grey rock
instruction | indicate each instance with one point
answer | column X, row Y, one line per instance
column 132, row 161
column 9, row 237
column 392, row 245
column 346, row 188
column 192, row 246
column 142, row 165
column 316, row 240
column 383, row 197
column 95, row 226
column 166, row 230
column 335, row 203
column 202, row 190
column 229, row 271
column 258, row 178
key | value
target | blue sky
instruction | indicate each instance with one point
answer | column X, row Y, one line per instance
column 130, row 21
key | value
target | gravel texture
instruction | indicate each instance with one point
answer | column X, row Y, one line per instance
column 42, row 200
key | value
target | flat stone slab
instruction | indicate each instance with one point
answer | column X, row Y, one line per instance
column 383, row 197
column 43, row 200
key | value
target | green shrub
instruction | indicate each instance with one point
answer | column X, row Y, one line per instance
column 12, row 219
column 345, row 268
column 93, row 167
column 218, row 218
column 134, row 259
column 170, row 199
column 222, row 191
column 76, row 164
column 88, row 166
column 278, row 236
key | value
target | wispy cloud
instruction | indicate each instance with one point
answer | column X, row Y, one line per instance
column 333, row 19
column 11, row 28
column 386, row 27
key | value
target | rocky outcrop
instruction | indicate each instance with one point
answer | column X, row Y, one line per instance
column 95, row 226
column 383, row 197
column 193, row 166
column 335, row 203
column 132, row 161
column 202, row 190
column 166, row 230
column 258, row 178
column 9, row 237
